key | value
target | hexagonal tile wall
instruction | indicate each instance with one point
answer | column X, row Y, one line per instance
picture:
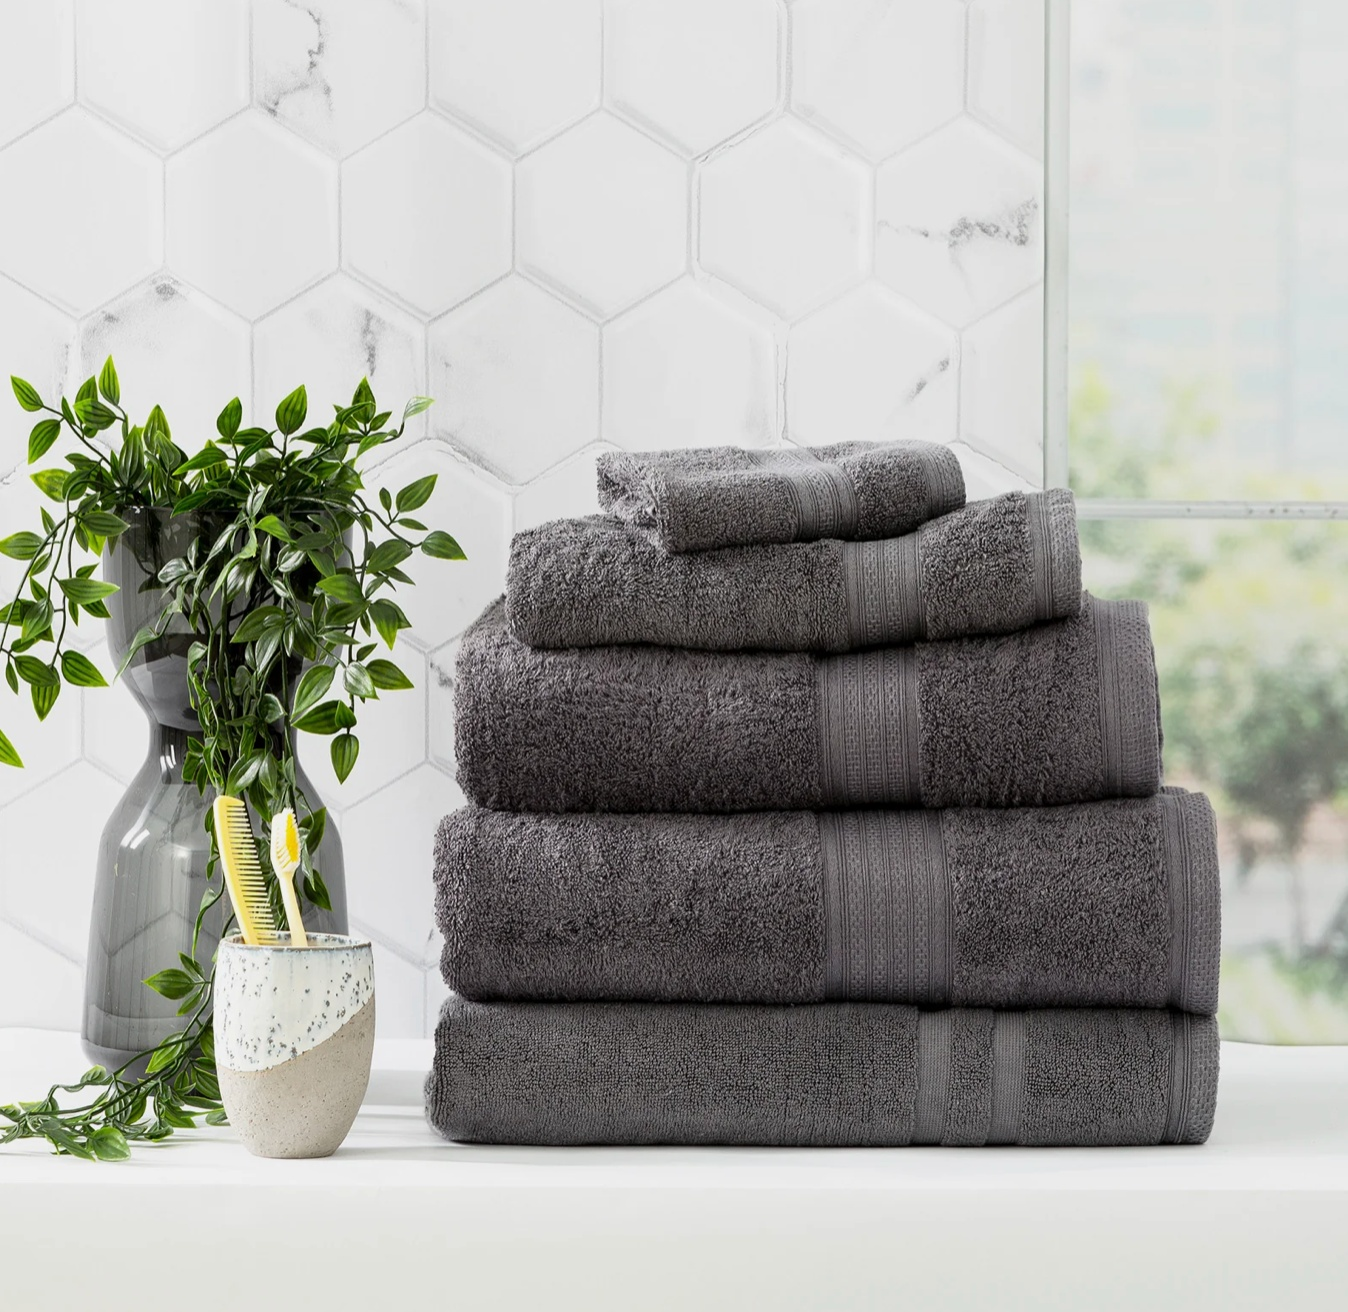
column 426, row 214
column 330, row 338
column 340, row 72
column 576, row 223
column 78, row 255
column 958, row 223
column 252, row 215
column 786, row 217
column 683, row 369
column 694, row 71
column 877, row 73
column 450, row 594
column 601, row 214
column 516, row 71
column 478, row 356
column 175, row 348
column 1006, row 69
column 194, row 53
column 873, row 367
column 40, row 79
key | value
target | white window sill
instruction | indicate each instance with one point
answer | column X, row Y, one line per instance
column 1256, row 1218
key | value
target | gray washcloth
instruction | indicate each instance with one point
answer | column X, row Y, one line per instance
column 1061, row 712
column 837, row 1074
column 730, row 496
column 1095, row 905
column 992, row 567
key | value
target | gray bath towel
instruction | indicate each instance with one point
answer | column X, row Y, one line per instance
column 1100, row 904
column 729, row 496
column 837, row 1074
column 1061, row 712
column 992, row 567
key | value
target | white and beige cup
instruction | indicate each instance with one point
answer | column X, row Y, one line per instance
column 294, row 1035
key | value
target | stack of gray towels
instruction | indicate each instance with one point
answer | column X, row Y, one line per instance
column 814, row 806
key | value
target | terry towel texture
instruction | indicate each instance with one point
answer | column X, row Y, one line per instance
column 993, row 567
column 837, row 1074
column 730, row 496
column 1062, row 712
column 1100, row 904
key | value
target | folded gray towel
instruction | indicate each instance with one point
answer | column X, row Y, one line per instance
column 1061, row 712
column 992, row 567
column 729, row 496
column 1095, row 905
column 837, row 1074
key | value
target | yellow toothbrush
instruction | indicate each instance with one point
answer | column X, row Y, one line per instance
column 243, row 871
column 285, row 860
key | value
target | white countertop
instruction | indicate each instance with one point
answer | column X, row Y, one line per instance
column 1256, row 1218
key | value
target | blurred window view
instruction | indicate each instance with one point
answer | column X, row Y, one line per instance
column 1208, row 360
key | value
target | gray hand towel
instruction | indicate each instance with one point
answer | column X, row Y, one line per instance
column 837, row 1074
column 1099, row 904
column 729, row 496
column 992, row 567
column 1061, row 712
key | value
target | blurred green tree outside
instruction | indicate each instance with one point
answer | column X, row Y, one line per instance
column 1250, row 623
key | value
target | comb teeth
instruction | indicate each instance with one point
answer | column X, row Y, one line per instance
column 243, row 871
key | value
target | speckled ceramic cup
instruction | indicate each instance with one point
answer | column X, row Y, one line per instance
column 294, row 1034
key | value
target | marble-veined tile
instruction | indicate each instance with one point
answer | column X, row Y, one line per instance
column 252, row 215
column 46, row 746
column 426, row 214
column 877, row 74
column 1002, row 387
column 78, row 256
column 39, row 76
column 164, row 70
column 694, row 71
column 602, row 214
column 36, row 343
column 871, row 366
column 516, row 374
column 1006, row 69
column 440, row 690
column 339, row 72
column 785, row 217
column 566, row 491
column 958, row 222
column 41, row 988
column 985, row 477
column 684, row 369
column 516, row 71
column 115, row 731
column 175, row 348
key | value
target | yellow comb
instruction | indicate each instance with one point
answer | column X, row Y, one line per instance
column 243, row 871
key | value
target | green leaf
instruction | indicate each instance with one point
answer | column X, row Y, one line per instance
column 290, row 413
column 443, row 547
column 8, row 756
column 209, row 457
column 36, row 619
column 416, row 405
column 258, row 622
column 21, row 546
column 388, row 556
column 313, row 684
column 270, row 524
column 44, row 698
column 93, row 414
column 95, row 1075
column 26, row 393
column 37, row 673
column 158, row 423
column 84, row 591
column 40, row 440
column 345, row 750
column 342, row 587
column 108, row 1142
column 313, row 827
column 80, row 672
column 52, row 482
column 388, row 619
column 415, row 495
column 172, row 983
column 227, row 422
column 217, row 1117
column 143, row 636
column 108, row 382
column 358, row 680
column 323, row 719
column 104, row 523
column 386, row 675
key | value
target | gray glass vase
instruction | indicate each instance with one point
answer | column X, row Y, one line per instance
column 152, row 858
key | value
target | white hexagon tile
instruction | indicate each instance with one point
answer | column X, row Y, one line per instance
column 578, row 224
